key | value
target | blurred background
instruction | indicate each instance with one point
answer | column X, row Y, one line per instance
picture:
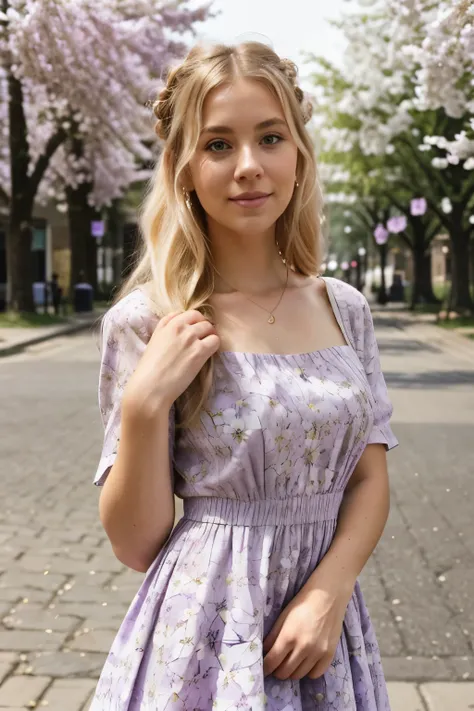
column 392, row 87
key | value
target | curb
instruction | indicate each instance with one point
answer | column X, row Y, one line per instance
column 54, row 333
column 426, row 329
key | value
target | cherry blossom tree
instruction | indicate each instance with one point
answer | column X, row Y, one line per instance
column 396, row 100
column 74, row 81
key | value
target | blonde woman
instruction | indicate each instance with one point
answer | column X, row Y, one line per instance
column 237, row 379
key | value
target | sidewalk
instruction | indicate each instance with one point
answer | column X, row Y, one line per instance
column 431, row 697
column 63, row 595
column 423, row 327
column 15, row 340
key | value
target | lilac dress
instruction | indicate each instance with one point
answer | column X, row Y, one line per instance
column 262, row 480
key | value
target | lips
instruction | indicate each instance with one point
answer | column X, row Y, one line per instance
column 250, row 196
column 254, row 199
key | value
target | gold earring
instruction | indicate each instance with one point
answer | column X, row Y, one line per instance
column 297, row 183
column 187, row 199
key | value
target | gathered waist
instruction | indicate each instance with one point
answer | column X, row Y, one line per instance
column 263, row 512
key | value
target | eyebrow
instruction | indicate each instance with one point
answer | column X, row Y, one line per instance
column 276, row 121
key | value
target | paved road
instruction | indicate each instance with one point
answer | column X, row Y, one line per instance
column 63, row 595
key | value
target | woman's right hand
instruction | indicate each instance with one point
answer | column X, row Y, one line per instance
column 180, row 345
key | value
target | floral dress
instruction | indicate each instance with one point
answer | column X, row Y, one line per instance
column 262, row 478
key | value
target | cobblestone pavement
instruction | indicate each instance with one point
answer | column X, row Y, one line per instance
column 63, row 595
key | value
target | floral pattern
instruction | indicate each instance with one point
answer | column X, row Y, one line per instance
column 262, row 479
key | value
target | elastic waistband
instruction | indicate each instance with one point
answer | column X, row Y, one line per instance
column 265, row 512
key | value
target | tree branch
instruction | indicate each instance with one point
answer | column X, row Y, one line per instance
column 43, row 161
column 432, row 175
column 4, row 197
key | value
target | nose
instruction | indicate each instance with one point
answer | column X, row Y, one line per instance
column 248, row 166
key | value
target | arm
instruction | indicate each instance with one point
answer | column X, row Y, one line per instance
column 137, row 504
column 365, row 506
column 304, row 639
column 146, row 365
column 362, row 519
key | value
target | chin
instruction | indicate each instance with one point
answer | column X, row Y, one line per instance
column 252, row 225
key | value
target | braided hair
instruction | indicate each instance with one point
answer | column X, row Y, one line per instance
column 163, row 106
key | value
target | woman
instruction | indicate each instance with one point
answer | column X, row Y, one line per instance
column 273, row 378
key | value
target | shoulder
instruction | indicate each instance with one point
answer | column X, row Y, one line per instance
column 354, row 311
column 346, row 295
column 131, row 315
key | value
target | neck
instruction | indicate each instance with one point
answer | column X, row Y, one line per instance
column 247, row 263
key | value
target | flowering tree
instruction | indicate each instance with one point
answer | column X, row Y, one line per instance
column 390, row 102
column 74, row 81
column 374, row 190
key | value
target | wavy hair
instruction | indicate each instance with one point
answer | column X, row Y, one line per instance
column 174, row 259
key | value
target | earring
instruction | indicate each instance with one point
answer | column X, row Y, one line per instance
column 297, row 183
column 187, row 199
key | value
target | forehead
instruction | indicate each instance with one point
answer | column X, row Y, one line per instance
column 241, row 100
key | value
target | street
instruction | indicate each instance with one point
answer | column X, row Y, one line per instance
column 63, row 594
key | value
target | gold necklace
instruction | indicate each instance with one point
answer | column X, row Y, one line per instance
column 271, row 320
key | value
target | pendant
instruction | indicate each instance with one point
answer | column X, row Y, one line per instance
column 271, row 319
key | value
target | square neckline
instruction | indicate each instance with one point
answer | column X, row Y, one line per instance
column 305, row 354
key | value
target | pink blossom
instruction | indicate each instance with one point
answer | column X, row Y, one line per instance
column 380, row 234
column 418, row 206
column 397, row 224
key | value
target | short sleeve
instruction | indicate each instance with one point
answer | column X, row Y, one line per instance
column 381, row 431
column 126, row 329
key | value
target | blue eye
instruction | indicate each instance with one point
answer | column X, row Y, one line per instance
column 217, row 146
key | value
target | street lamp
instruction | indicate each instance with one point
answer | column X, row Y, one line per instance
column 362, row 268
column 381, row 237
column 445, row 251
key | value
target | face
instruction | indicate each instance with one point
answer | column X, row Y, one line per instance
column 244, row 168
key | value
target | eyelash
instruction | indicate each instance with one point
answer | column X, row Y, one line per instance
column 220, row 140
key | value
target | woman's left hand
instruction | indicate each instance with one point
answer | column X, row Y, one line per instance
column 304, row 638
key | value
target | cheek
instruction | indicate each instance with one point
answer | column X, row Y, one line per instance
column 208, row 177
column 287, row 163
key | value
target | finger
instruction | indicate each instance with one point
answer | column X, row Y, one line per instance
column 203, row 329
column 164, row 321
column 321, row 667
column 289, row 665
column 275, row 657
column 191, row 317
column 304, row 669
column 271, row 637
column 211, row 344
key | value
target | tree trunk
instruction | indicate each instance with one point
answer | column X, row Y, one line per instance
column 19, row 259
column 24, row 187
column 83, row 245
column 461, row 300
column 382, row 295
column 422, row 292
column 115, row 225
column 429, row 297
column 19, row 266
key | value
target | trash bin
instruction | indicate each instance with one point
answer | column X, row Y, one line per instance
column 83, row 298
column 40, row 294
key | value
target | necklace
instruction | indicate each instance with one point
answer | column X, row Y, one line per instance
column 271, row 314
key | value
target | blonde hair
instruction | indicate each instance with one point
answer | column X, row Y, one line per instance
column 175, row 257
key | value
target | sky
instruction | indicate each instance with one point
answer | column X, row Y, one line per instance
column 290, row 28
